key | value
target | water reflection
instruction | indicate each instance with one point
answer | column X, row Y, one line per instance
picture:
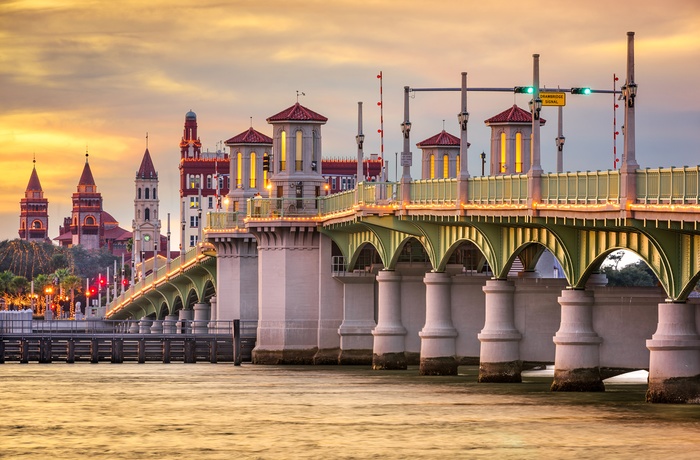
column 207, row 411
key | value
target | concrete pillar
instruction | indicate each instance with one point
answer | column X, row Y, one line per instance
column 200, row 325
column 213, row 326
column 145, row 325
column 389, row 335
column 133, row 327
column 577, row 357
column 674, row 356
column 438, row 349
column 499, row 359
column 157, row 326
column 358, row 319
column 183, row 325
column 169, row 324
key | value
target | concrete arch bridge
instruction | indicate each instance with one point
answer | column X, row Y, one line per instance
column 442, row 272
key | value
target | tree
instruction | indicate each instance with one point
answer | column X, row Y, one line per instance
column 634, row 274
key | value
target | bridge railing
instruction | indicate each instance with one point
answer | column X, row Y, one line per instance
column 339, row 202
column 510, row 189
column 668, row 185
column 434, row 192
column 581, row 187
column 371, row 193
column 225, row 220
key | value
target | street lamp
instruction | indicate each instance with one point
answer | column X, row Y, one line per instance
column 535, row 107
column 406, row 129
column 629, row 92
column 483, row 162
column 360, row 138
column 463, row 120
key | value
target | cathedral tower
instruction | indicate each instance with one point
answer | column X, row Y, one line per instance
column 34, row 215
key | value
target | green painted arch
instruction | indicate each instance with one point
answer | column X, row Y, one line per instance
column 356, row 254
column 448, row 238
column 355, row 243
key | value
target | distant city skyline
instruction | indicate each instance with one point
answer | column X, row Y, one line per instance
column 97, row 77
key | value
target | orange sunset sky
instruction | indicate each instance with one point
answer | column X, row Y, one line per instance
column 100, row 74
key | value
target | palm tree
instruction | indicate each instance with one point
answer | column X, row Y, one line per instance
column 71, row 283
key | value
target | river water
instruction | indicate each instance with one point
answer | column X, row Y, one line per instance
column 220, row 411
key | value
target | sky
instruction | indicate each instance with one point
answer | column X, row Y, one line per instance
column 96, row 76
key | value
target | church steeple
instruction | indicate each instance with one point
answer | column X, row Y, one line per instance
column 34, row 216
column 86, row 224
column 86, row 182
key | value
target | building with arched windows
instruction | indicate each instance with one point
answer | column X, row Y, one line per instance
column 89, row 225
column 510, row 141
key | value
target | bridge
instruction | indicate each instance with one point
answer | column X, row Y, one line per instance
column 442, row 272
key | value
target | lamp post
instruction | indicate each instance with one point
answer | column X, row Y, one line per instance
column 560, row 141
column 534, row 174
column 360, row 139
column 483, row 162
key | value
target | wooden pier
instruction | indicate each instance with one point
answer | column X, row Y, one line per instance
column 47, row 346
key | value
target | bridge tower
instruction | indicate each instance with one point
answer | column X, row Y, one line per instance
column 296, row 170
column 146, row 224
column 510, row 141
column 34, row 214
column 440, row 156
column 250, row 154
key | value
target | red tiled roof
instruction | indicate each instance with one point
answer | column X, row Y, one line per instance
column 86, row 178
column 34, row 185
column 513, row 115
column 442, row 138
column 117, row 234
column 250, row 137
column 68, row 236
column 147, row 170
column 297, row 112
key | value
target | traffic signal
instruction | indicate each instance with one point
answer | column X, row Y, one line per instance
column 524, row 90
column 266, row 163
column 125, row 282
column 103, row 281
column 584, row 91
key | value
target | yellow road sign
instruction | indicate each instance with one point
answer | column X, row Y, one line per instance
column 553, row 98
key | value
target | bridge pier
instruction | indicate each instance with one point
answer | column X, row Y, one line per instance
column 389, row 335
column 184, row 317
column 674, row 356
column 358, row 319
column 577, row 358
column 499, row 359
column 438, row 348
column 169, row 324
column 157, row 326
column 200, row 323
column 145, row 325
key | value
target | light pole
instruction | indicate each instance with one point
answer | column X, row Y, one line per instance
column 396, row 166
column 483, row 162
column 560, row 141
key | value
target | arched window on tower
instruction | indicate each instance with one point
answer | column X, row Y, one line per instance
column 147, row 214
column 89, row 220
column 502, row 167
column 432, row 167
column 154, row 193
column 283, row 151
column 445, row 166
column 299, row 164
column 253, row 169
column 518, row 152
column 147, row 193
column 36, row 225
column 138, row 193
column 239, row 170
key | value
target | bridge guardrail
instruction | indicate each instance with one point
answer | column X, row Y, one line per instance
column 581, row 187
column 507, row 189
column 668, row 185
column 434, row 192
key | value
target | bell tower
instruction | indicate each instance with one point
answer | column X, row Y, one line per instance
column 296, row 169
column 34, row 215
column 146, row 224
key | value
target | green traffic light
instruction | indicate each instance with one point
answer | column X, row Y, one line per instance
column 524, row 89
column 584, row 91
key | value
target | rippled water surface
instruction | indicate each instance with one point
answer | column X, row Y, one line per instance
column 219, row 411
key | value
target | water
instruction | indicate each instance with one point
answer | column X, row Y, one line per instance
column 204, row 411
